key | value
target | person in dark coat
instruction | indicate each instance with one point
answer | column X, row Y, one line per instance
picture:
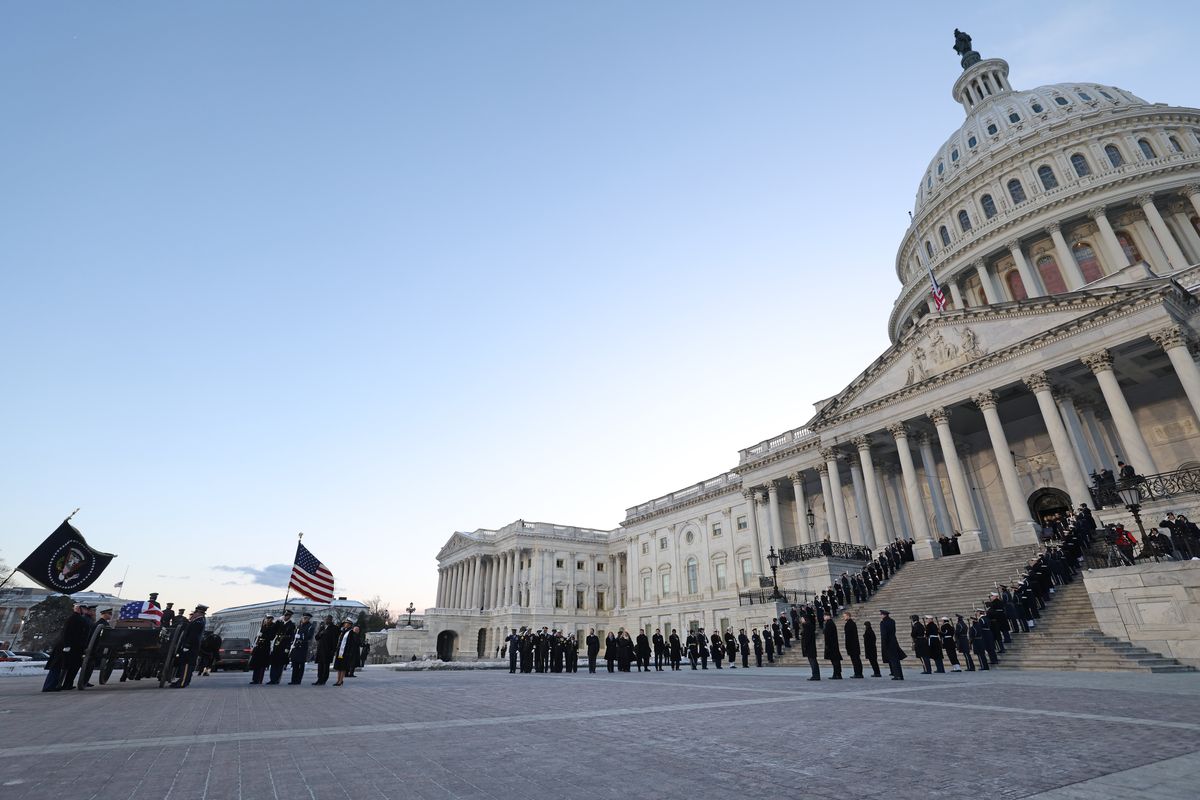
column 327, row 639
column 869, row 649
column 850, row 630
column 833, row 652
column 674, row 652
column 979, row 642
column 281, row 646
column 660, row 649
column 511, row 643
column 299, row 655
column 693, row 649
column 920, row 644
column 989, row 639
column 778, row 638
column 702, row 647
column 526, row 653
column 642, row 650
column 889, row 646
column 571, row 652
column 962, row 642
column 346, row 655
column 624, row 652
column 189, row 648
column 769, row 643
column 67, row 654
column 744, row 646
column 731, row 648
column 808, row 645
column 718, row 649
column 949, row 648
column 786, row 630
column 260, row 656
column 593, row 650
column 610, row 649
column 933, row 641
column 757, row 643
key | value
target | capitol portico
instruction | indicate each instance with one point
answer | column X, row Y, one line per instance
column 1064, row 224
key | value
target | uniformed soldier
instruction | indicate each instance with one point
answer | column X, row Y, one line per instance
column 281, row 645
column 674, row 652
column 327, row 639
column 731, row 648
column 593, row 650
column 260, row 656
column 660, row 649
column 744, row 646
column 299, row 654
column 189, row 648
column 692, row 650
column 758, row 647
column 67, row 653
column 511, row 643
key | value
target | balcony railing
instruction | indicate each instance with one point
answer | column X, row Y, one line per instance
column 804, row 552
column 1162, row 486
column 766, row 597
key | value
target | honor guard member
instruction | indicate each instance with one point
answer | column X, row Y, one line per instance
column 67, row 653
column 168, row 615
column 702, row 647
column 674, row 651
column 731, row 648
column 769, row 643
column 299, row 655
column 758, row 647
column 280, row 646
column 327, row 639
column 744, row 646
column 660, row 649
column 593, row 650
column 189, row 648
column 511, row 643
column 718, row 649
column 260, row 656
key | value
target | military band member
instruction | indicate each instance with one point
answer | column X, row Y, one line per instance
column 260, row 656
column 280, row 646
column 299, row 654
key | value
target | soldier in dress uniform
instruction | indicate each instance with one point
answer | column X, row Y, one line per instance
column 189, row 648
column 280, row 646
column 67, row 653
column 718, row 649
column 948, row 645
column 757, row 643
column 769, row 642
column 660, row 649
column 702, row 648
column 933, row 640
column 920, row 643
column 260, row 656
column 527, row 648
column 778, row 637
column 511, row 643
column 744, row 647
column 327, row 638
column 674, row 651
column 593, row 650
column 299, row 655
column 692, row 650
column 731, row 648
column 168, row 615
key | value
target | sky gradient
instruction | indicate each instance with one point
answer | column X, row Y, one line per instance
column 382, row 271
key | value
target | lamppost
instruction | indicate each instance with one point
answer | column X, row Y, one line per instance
column 411, row 608
column 811, row 518
column 773, row 560
column 1133, row 504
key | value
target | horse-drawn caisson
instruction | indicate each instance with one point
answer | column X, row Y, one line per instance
column 138, row 643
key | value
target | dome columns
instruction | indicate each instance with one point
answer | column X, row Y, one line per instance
column 1166, row 239
column 1193, row 193
column 1066, row 259
column 1033, row 286
column 1116, row 254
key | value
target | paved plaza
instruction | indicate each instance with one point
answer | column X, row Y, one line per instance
column 743, row 733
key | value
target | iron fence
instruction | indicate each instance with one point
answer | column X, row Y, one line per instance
column 804, row 552
column 763, row 597
column 1160, row 486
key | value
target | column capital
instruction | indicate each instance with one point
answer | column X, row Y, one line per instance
column 1053, row 228
column 985, row 400
column 1013, row 244
column 921, row 437
column 1096, row 212
column 823, row 469
column 827, row 454
column 898, row 430
column 1062, row 395
column 797, row 476
column 979, row 264
column 939, row 416
column 1145, row 198
column 863, row 443
column 1192, row 189
column 1177, row 206
column 749, row 494
column 1099, row 361
column 1170, row 337
column 773, row 486
column 1037, row 381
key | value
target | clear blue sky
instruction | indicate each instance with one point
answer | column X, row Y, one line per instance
column 381, row 271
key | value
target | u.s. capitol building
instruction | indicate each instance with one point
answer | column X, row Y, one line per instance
column 1063, row 224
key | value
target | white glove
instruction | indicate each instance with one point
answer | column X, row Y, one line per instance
column 66, row 649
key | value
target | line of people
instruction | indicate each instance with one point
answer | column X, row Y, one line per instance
column 281, row 642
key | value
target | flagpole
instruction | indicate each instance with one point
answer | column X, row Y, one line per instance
column 9, row 578
column 289, row 586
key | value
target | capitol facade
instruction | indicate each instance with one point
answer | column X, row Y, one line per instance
column 1063, row 223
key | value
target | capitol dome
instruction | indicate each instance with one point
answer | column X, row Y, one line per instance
column 1045, row 191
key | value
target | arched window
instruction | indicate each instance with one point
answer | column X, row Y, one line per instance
column 945, row 234
column 1037, row 107
column 1089, row 265
column 693, row 576
column 928, row 249
column 964, row 221
column 1175, row 145
column 1062, row 101
column 1014, row 117
column 1132, row 254
column 954, row 154
column 1114, row 155
column 1016, row 287
column 1046, row 175
column 1052, row 277
column 1147, row 150
column 1085, row 97
column 972, row 141
column 941, row 167
column 1080, row 163
column 991, row 129
column 989, row 206
column 1016, row 192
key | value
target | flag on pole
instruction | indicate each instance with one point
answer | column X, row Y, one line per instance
column 141, row 609
column 939, row 297
column 310, row 577
column 64, row 562
column 118, row 584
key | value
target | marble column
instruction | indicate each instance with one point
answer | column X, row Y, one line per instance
column 1136, row 451
column 1192, row 190
column 862, row 531
column 971, row 540
column 956, row 293
column 477, row 585
column 1067, row 264
column 773, row 519
column 1023, row 530
column 881, row 482
column 1181, row 215
column 923, row 547
column 1068, row 464
column 895, row 481
column 934, row 481
column 752, row 530
column 1173, row 340
column 456, row 602
column 1108, row 238
column 440, row 587
column 874, row 507
column 991, row 288
column 1033, row 283
column 800, row 513
column 829, row 525
column 1070, row 415
column 1165, row 237
column 835, row 488
column 1105, row 448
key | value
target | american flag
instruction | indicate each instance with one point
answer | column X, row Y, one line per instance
column 310, row 577
column 141, row 609
column 939, row 297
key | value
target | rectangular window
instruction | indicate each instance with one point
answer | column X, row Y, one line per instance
column 693, row 625
column 558, row 562
column 649, row 629
column 741, row 523
column 720, row 577
column 599, row 566
column 746, row 572
column 646, row 587
column 645, row 548
column 580, row 602
column 558, row 598
column 666, row 584
column 578, row 565
column 662, row 543
column 716, row 529
column 724, row 626
column 599, row 601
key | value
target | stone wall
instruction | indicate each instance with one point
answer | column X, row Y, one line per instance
column 1155, row 605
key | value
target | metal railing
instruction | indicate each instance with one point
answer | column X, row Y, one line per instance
column 804, row 552
column 1161, row 486
column 766, row 597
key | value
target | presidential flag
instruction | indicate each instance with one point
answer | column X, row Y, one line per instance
column 64, row 562
column 141, row 609
column 310, row 577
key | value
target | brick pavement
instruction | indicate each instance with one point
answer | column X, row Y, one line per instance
column 743, row 733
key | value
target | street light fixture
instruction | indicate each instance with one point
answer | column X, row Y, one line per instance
column 812, row 519
column 773, row 560
column 1133, row 504
column 411, row 608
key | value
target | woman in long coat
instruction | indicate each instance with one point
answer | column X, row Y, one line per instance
column 869, row 649
column 346, row 658
column 833, row 652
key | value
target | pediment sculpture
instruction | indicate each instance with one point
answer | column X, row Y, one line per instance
column 941, row 354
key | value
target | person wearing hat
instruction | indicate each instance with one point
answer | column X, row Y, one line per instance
column 281, row 646
column 189, row 648
column 808, row 645
column 347, row 652
column 962, row 641
column 327, row 641
column 260, row 657
column 976, row 632
column 949, row 649
column 889, row 645
column 304, row 635
column 933, row 640
column 850, row 629
column 920, row 643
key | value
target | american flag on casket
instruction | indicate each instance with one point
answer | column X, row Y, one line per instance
column 141, row 609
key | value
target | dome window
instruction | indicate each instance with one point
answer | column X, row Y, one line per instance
column 1175, row 145
column 1046, row 176
column 1114, row 155
column 1016, row 191
column 972, row 141
column 928, row 181
column 1147, row 149
column 1109, row 96
column 1085, row 97
column 928, row 249
column 941, row 167
column 1037, row 107
column 1062, row 101
column 1014, row 117
column 1079, row 162
column 989, row 206
column 964, row 221
column 945, row 234
column 954, row 154
column 991, row 129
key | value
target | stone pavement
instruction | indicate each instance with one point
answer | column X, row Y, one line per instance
column 728, row 734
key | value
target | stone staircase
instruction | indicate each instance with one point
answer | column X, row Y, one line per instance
column 1067, row 636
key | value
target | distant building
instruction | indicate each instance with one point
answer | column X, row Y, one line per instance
column 244, row 621
column 16, row 602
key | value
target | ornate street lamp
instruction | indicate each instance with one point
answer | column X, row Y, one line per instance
column 773, row 560
column 411, row 608
column 812, row 519
column 1133, row 504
